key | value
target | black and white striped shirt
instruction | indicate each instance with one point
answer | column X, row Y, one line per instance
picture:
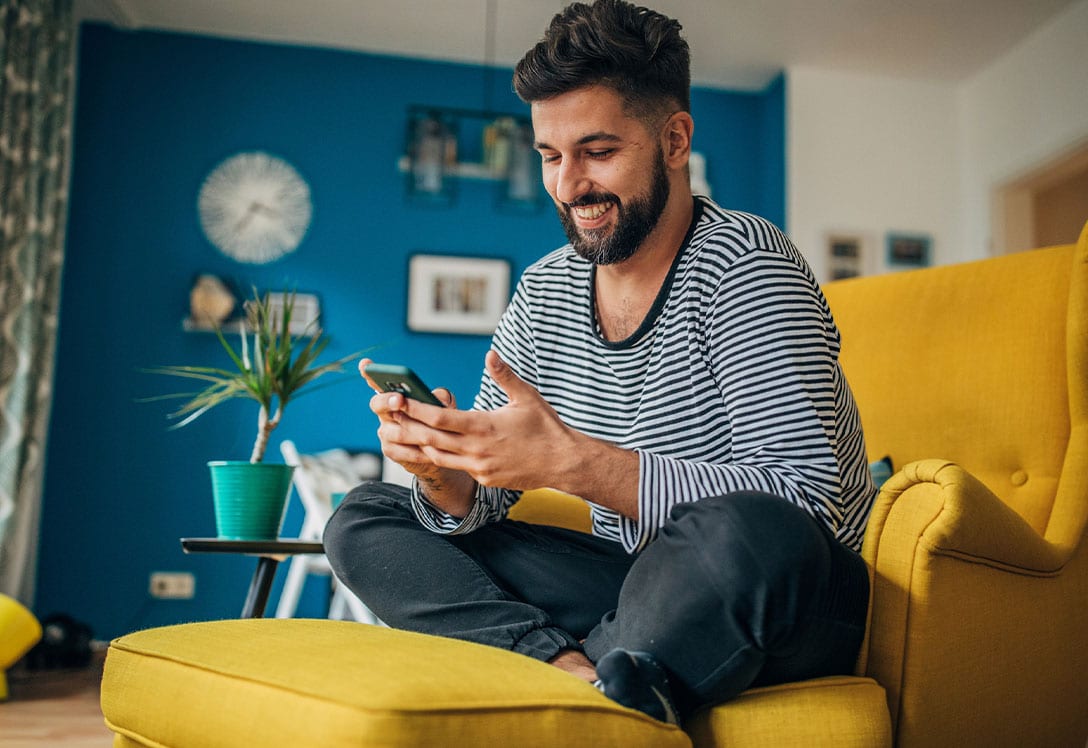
column 731, row 383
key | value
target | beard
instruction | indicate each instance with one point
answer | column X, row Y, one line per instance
column 634, row 222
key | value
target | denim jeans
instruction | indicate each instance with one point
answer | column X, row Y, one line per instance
column 737, row 591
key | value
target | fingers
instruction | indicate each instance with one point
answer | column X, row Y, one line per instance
column 386, row 404
column 445, row 396
column 363, row 363
column 400, row 436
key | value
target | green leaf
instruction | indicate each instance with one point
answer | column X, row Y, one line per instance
column 280, row 366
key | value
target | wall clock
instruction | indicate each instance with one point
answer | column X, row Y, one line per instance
column 255, row 207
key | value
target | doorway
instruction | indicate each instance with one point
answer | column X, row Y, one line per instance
column 1047, row 206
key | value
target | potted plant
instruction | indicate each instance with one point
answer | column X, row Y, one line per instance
column 250, row 497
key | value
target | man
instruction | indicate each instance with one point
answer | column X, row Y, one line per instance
column 676, row 366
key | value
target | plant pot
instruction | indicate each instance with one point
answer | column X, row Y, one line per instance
column 250, row 498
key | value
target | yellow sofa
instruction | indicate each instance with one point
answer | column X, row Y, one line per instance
column 974, row 380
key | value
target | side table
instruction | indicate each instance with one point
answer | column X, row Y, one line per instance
column 269, row 554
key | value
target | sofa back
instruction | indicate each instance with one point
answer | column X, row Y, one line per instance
column 972, row 363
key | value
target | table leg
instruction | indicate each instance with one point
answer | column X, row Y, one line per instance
column 257, row 597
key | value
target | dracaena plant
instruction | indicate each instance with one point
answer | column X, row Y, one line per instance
column 272, row 369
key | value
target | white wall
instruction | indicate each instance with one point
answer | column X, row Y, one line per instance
column 1029, row 106
column 870, row 154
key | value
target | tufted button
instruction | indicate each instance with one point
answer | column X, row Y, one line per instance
column 1019, row 478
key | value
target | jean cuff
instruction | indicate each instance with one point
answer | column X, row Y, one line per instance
column 545, row 643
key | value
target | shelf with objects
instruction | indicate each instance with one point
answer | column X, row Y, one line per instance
column 445, row 145
column 213, row 306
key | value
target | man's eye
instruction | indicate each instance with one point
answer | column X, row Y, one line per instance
column 548, row 158
column 603, row 153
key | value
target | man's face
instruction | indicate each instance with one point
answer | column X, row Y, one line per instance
column 605, row 171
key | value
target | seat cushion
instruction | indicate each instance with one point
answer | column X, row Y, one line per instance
column 273, row 682
column 839, row 711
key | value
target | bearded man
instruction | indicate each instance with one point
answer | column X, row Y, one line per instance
column 676, row 366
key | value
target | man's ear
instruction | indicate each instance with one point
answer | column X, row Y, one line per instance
column 676, row 143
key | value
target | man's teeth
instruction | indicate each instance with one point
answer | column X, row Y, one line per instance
column 592, row 212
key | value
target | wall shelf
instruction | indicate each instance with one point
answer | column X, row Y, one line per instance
column 235, row 327
column 444, row 146
column 460, row 170
column 232, row 326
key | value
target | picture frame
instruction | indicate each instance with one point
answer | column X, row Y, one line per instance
column 847, row 255
column 908, row 250
column 305, row 313
column 451, row 294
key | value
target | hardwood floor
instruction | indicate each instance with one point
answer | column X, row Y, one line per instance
column 54, row 707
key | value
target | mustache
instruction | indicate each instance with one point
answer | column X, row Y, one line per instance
column 594, row 198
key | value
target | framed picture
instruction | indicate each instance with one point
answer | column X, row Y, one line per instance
column 908, row 250
column 846, row 256
column 304, row 314
column 457, row 294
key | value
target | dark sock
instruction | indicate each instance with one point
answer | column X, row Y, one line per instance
column 635, row 680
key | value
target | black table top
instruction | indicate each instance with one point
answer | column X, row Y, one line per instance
column 277, row 547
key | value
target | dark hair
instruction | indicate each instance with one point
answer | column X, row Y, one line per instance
column 635, row 51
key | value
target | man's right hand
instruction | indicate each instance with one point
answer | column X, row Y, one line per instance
column 451, row 490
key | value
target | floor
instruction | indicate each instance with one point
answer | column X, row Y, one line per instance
column 54, row 707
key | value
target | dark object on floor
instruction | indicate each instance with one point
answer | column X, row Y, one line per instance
column 65, row 643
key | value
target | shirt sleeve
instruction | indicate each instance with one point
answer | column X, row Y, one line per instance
column 490, row 505
column 773, row 351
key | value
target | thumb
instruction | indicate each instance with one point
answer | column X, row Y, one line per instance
column 514, row 387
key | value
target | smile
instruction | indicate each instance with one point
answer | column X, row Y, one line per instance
column 592, row 212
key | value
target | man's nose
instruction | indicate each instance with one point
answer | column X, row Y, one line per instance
column 571, row 182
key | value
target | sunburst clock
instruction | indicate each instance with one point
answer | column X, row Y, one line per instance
column 255, row 207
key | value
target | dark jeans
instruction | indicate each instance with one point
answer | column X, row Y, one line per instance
column 737, row 591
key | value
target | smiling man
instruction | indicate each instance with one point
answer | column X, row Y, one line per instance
column 676, row 366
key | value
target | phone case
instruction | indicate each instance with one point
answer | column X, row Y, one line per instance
column 395, row 378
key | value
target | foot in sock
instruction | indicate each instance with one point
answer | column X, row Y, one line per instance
column 635, row 680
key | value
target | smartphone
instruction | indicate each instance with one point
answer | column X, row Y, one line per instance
column 393, row 378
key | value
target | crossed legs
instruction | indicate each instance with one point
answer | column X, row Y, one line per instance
column 739, row 590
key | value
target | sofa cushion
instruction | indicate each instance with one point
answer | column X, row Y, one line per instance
column 840, row 711
column 293, row 682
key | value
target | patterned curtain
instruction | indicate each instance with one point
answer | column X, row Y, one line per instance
column 36, row 58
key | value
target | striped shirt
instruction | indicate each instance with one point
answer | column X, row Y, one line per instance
column 732, row 382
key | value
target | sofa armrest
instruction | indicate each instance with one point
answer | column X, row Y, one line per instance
column 971, row 612
column 950, row 512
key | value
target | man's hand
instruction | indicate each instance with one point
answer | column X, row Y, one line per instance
column 523, row 445
column 447, row 489
column 515, row 446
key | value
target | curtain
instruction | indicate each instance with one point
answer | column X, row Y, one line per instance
column 36, row 59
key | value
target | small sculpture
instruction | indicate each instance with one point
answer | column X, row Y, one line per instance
column 210, row 301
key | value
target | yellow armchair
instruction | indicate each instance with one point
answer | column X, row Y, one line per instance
column 978, row 632
column 979, row 612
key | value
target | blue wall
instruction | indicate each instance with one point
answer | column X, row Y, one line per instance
column 155, row 113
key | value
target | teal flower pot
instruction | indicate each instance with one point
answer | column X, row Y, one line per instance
column 250, row 498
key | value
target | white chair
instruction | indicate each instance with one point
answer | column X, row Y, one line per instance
column 317, row 477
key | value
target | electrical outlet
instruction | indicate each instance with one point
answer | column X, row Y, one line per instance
column 173, row 585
